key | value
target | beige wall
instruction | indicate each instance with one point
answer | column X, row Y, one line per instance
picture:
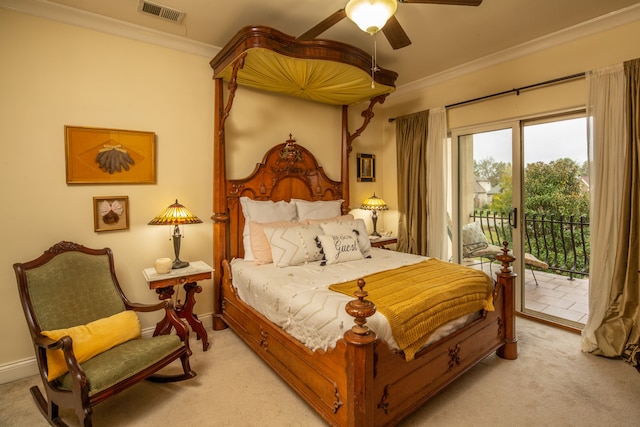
column 54, row 74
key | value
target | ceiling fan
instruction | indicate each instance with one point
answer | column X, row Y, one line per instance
column 386, row 22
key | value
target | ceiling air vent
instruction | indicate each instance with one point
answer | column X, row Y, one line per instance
column 160, row 11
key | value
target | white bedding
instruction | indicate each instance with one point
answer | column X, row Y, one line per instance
column 298, row 299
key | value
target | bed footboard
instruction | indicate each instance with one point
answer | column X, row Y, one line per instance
column 362, row 382
column 384, row 388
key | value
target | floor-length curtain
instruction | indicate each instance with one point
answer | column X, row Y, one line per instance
column 614, row 300
column 605, row 95
column 422, row 172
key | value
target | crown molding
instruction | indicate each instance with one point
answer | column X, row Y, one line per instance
column 605, row 22
column 91, row 21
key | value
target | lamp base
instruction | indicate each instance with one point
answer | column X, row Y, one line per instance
column 179, row 264
column 374, row 219
column 177, row 237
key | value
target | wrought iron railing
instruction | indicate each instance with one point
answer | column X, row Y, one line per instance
column 562, row 242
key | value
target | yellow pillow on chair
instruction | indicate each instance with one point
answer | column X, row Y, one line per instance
column 92, row 339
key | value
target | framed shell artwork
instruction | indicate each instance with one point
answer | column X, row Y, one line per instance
column 109, row 156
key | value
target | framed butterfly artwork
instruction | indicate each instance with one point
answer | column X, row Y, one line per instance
column 111, row 213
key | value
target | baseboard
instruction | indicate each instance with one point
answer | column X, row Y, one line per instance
column 24, row 368
column 17, row 370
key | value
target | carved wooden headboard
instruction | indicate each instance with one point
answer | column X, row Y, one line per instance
column 287, row 171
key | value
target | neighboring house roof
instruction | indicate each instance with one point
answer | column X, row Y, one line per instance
column 478, row 188
column 584, row 183
column 482, row 182
column 496, row 189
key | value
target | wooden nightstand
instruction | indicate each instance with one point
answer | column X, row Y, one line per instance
column 382, row 242
column 188, row 276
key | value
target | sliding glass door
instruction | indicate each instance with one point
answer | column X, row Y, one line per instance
column 488, row 196
column 556, row 227
column 526, row 183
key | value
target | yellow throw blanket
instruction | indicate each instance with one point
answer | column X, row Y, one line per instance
column 417, row 299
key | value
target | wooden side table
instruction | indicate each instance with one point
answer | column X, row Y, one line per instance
column 188, row 276
column 382, row 242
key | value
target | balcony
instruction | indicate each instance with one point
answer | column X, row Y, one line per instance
column 562, row 289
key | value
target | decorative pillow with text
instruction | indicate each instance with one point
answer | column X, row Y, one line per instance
column 340, row 247
column 346, row 227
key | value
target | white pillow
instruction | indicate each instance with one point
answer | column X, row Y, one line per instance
column 319, row 209
column 347, row 217
column 340, row 247
column 294, row 245
column 260, row 247
column 263, row 211
column 347, row 227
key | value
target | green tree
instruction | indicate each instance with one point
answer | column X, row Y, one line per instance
column 555, row 188
column 489, row 169
column 503, row 201
column 550, row 188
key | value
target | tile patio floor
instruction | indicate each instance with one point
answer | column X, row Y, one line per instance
column 558, row 296
column 555, row 295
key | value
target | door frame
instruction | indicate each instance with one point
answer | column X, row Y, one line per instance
column 517, row 183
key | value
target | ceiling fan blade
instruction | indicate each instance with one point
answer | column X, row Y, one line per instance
column 449, row 2
column 323, row 26
column 395, row 34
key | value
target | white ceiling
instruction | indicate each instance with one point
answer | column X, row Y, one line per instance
column 443, row 36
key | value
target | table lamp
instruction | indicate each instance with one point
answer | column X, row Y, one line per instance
column 374, row 204
column 176, row 215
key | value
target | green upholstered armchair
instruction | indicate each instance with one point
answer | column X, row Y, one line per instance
column 86, row 334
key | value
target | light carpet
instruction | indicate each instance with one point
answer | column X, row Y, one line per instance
column 552, row 383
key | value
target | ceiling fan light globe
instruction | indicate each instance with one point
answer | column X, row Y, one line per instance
column 370, row 15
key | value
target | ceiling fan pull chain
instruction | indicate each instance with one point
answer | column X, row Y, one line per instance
column 374, row 61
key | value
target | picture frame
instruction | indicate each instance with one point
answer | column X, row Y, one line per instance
column 110, row 213
column 366, row 167
column 109, row 156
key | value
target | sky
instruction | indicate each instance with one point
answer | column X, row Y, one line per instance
column 542, row 142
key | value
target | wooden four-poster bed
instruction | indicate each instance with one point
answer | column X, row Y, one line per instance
column 361, row 380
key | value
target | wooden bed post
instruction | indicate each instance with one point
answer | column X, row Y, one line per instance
column 346, row 149
column 219, row 217
column 360, row 356
column 507, row 283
